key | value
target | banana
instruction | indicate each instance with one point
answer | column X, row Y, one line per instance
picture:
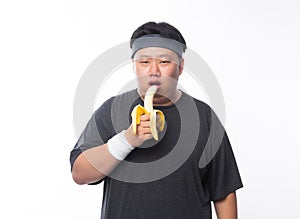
column 148, row 109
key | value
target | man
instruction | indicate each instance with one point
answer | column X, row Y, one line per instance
column 108, row 150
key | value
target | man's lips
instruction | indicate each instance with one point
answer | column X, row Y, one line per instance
column 157, row 83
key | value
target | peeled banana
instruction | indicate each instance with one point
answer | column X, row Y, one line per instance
column 148, row 109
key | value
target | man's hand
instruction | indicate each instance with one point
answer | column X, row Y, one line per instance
column 143, row 132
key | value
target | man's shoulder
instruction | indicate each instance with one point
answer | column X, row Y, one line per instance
column 201, row 105
column 119, row 100
column 128, row 96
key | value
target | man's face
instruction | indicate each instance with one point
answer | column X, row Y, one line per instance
column 157, row 66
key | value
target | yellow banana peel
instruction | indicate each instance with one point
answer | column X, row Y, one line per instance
column 148, row 109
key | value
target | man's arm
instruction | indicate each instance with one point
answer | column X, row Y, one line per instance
column 226, row 208
column 95, row 163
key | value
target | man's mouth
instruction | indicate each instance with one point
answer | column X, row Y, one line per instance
column 157, row 83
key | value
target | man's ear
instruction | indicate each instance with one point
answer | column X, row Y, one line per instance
column 181, row 65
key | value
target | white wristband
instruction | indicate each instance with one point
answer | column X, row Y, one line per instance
column 118, row 146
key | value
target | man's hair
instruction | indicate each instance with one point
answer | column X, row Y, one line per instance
column 164, row 29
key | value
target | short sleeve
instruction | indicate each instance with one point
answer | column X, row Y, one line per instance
column 220, row 176
column 223, row 174
column 97, row 131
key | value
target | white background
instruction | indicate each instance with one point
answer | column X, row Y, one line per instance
column 251, row 46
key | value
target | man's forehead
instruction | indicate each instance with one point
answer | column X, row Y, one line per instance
column 155, row 52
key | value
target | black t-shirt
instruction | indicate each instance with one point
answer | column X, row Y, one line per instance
column 191, row 165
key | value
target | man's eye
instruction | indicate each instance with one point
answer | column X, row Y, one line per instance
column 144, row 62
column 165, row 61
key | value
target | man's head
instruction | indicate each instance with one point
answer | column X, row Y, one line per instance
column 162, row 30
column 157, row 50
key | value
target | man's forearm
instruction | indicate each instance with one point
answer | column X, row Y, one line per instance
column 93, row 165
column 226, row 208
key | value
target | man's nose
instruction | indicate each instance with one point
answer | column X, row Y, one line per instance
column 154, row 69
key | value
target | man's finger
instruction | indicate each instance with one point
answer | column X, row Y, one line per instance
column 145, row 117
column 144, row 130
column 145, row 124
